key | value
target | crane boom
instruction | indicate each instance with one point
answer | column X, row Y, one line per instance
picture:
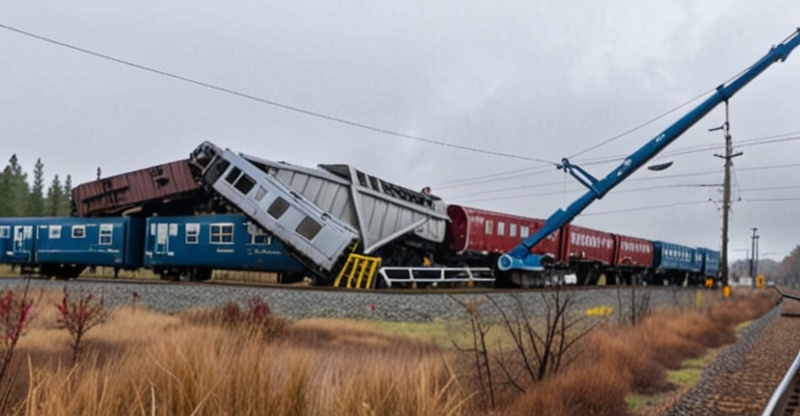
column 520, row 256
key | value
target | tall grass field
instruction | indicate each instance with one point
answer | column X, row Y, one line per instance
column 239, row 361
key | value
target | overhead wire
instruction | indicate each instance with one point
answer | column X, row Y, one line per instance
column 651, row 207
column 357, row 124
column 675, row 204
column 772, row 199
column 660, row 177
column 293, row 108
column 493, row 177
column 631, row 130
column 578, row 190
column 772, row 139
column 640, row 126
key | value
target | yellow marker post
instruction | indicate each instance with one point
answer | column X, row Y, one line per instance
column 726, row 291
column 760, row 281
column 600, row 311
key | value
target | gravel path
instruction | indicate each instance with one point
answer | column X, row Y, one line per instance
column 741, row 379
column 303, row 303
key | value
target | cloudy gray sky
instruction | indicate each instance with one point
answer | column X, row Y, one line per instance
column 540, row 79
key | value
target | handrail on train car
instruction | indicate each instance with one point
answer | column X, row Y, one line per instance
column 779, row 393
column 438, row 275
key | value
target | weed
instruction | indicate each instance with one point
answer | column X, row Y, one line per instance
column 78, row 316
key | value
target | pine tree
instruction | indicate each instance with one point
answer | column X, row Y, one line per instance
column 67, row 208
column 5, row 192
column 36, row 199
column 55, row 197
column 17, row 188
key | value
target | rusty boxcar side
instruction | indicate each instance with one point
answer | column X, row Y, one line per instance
column 160, row 186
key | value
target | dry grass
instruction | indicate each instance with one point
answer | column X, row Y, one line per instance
column 619, row 361
column 148, row 363
column 142, row 362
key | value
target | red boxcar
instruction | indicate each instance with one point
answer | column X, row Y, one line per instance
column 633, row 252
column 584, row 244
column 473, row 230
column 116, row 194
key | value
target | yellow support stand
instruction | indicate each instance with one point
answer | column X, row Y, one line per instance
column 358, row 270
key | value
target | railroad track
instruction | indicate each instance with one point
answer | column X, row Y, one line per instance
column 399, row 290
column 786, row 399
column 743, row 377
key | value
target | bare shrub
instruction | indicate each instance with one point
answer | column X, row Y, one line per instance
column 256, row 319
column 540, row 343
column 637, row 306
column 78, row 316
column 15, row 310
column 542, row 348
column 478, row 352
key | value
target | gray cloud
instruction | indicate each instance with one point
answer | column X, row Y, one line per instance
column 542, row 79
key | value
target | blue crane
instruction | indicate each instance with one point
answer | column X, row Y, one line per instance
column 520, row 257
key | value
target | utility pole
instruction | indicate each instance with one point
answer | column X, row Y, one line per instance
column 755, row 266
column 754, row 240
column 726, row 194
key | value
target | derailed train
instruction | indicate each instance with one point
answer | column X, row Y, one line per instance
column 339, row 222
column 298, row 221
column 191, row 247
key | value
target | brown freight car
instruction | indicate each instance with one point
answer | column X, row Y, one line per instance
column 169, row 188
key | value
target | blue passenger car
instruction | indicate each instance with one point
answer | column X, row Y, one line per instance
column 711, row 259
column 63, row 246
column 190, row 247
column 677, row 263
column 17, row 240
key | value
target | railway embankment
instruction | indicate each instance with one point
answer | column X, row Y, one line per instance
column 609, row 365
column 742, row 377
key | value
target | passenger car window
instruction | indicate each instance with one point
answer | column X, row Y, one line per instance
column 192, row 233
column 308, row 228
column 278, row 208
column 78, row 231
column 106, row 234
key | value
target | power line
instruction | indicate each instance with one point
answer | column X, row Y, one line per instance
column 661, row 177
column 576, row 190
column 675, row 204
column 778, row 138
column 513, row 188
column 631, row 130
column 296, row 109
column 604, row 142
column 487, row 178
column 772, row 199
column 702, row 148
column 770, row 188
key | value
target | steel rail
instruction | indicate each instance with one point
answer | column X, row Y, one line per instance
column 779, row 402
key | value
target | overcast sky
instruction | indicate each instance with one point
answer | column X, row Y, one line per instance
column 540, row 79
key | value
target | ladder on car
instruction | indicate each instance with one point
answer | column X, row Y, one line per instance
column 358, row 272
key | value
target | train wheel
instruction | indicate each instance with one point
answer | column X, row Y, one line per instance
column 199, row 274
column 290, row 277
